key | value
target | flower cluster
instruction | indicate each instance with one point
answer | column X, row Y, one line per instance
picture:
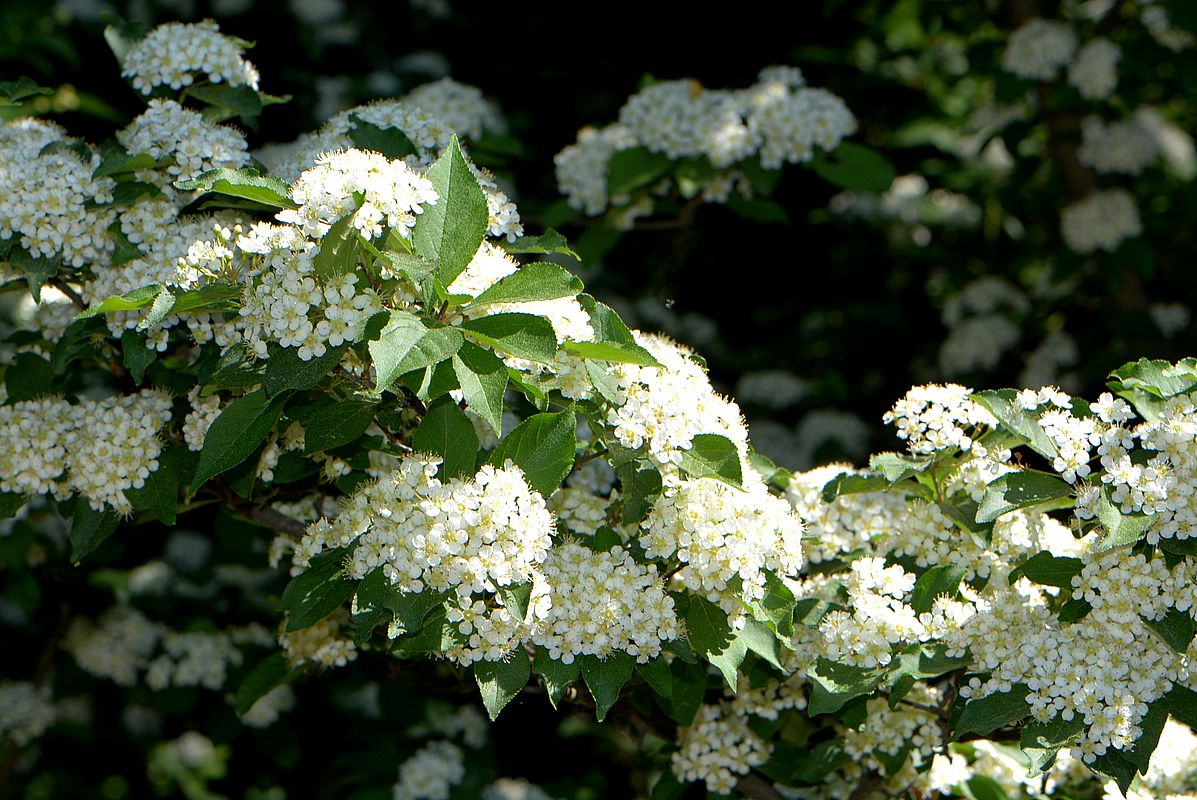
column 183, row 141
column 431, row 772
column 177, row 54
column 1101, row 221
column 26, row 711
column 1125, row 146
column 938, row 417
column 1038, row 49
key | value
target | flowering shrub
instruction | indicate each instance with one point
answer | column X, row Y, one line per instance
column 323, row 425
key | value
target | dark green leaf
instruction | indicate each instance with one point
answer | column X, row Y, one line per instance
column 286, row 370
column 10, row 504
column 160, row 493
column 1152, row 726
column 447, row 432
column 135, row 355
column 776, row 607
column 237, row 432
column 269, row 673
column 635, row 168
column 1121, row 529
column 28, row 376
column 451, row 230
column 406, row 344
column 605, row 678
column 1175, row 628
column 549, row 243
column 833, row 685
column 244, row 183
column 483, row 379
column 521, row 335
column 390, row 142
column 532, row 282
column 854, row 166
column 896, row 467
column 557, row 676
column 543, row 446
column 985, row 715
column 640, row 484
column 336, row 425
column 1019, row 490
column 37, row 271
column 1113, row 764
column 1047, row 570
column 227, row 101
column 90, row 529
column 500, row 681
column 317, row 591
column 849, row 483
column 1020, row 422
column 12, row 92
column 712, row 455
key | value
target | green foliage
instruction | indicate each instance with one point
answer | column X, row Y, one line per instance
column 450, row 231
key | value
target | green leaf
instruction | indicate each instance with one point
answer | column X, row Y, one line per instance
column 12, row 92
column 337, row 424
column 227, row 102
column 37, row 271
column 833, row 685
column 1182, row 704
column 1113, row 764
column 640, row 484
column 246, row 183
column 712, row 455
column 241, row 427
column 451, row 230
column 557, row 676
column 162, row 305
column 411, row 610
column 317, row 591
column 117, row 161
column 160, row 492
column 1176, row 628
column 483, row 379
column 895, row 467
column 10, row 504
column 447, row 432
column 848, row 483
column 680, row 687
column 776, row 608
column 756, row 209
column 548, row 243
column 761, row 640
column 1019, row 490
column 1073, row 610
column 1159, row 378
column 135, row 355
column 616, row 352
column 605, row 678
column 1023, row 424
column 268, row 674
column 338, row 249
column 390, row 142
column 667, row 787
column 1040, row 741
column 406, row 344
column 711, row 636
column 854, row 166
column 521, row 335
column 1152, row 726
column 635, row 168
column 1048, row 570
column 532, row 282
column 985, row 715
column 28, row 376
column 1121, row 529
column 130, row 301
column 285, row 370
column 543, row 446
column 500, row 681
column 983, row 787
column 90, row 529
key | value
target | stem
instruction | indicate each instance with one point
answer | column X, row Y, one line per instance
column 69, row 291
column 758, row 788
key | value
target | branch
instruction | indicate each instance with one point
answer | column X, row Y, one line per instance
column 273, row 519
column 754, row 786
column 69, row 291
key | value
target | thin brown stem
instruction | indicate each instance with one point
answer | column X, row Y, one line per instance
column 69, row 291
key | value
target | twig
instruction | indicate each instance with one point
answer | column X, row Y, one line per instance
column 69, row 291
column 755, row 786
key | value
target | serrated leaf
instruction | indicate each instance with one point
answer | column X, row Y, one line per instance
column 335, row 425
column 849, row 483
column 135, row 355
column 500, row 681
column 854, row 166
column 1040, row 741
column 483, row 379
column 451, row 230
column 317, row 591
column 1048, row 570
column 1016, row 490
column 245, row 183
column 12, row 92
column 833, row 685
column 605, row 678
column 1151, row 727
column 557, row 676
column 160, row 492
column 406, row 344
column 90, row 529
column 776, row 607
column 549, row 243
column 543, row 446
column 640, row 484
column 447, row 432
column 522, row 335
column 896, row 467
column 1176, row 628
column 635, row 168
column 1113, row 764
column 712, row 455
column 227, row 102
column 1121, row 529
column 130, row 301
column 1020, row 422
column 762, row 641
column 267, row 675
column 241, row 427
column 285, row 370
column 390, row 142
column 338, row 251
column 985, row 715
column 37, row 271
column 28, row 376
column 615, row 352
column 541, row 280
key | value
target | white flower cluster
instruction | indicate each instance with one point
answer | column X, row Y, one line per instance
column 466, row 536
column 719, row 533
column 719, row 746
column 664, row 407
column 26, row 711
column 890, row 731
column 269, row 707
column 1155, row 17
column 462, row 107
column 51, row 201
column 1126, row 146
column 320, row 643
column 1037, row 50
column 117, row 648
column 204, row 412
column 431, row 773
column 1101, row 221
column 778, row 119
column 187, row 143
column 44, row 448
column 378, row 192
column 580, row 510
column 602, row 603
column 939, row 417
column 177, row 54
column 879, row 620
column 193, row 659
column 911, row 202
column 1094, row 72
